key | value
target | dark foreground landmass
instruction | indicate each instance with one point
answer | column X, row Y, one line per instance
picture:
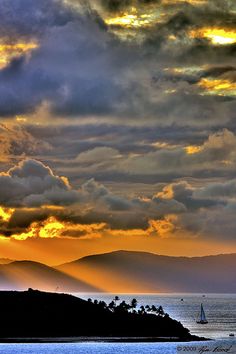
column 45, row 317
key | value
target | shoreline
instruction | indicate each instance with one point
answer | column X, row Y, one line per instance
column 35, row 340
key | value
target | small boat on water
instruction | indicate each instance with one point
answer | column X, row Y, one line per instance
column 231, row 335
column 203, row 319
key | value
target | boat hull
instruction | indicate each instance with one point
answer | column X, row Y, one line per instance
column 202, row 322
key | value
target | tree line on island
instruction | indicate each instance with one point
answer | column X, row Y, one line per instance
column 123, row 307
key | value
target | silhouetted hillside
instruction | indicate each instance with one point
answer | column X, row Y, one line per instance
column 22, row 275
column 37, row 314
column 124, row 271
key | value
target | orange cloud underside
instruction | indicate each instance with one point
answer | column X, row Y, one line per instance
column 52, row 228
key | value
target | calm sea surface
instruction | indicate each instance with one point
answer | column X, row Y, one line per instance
column 220, row 311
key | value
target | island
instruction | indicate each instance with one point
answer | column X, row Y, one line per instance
column 41, row 316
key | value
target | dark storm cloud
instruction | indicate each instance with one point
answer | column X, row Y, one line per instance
column 93, row 203
column 32, row 18
column 137, row 116
column 209, row 210
column 115, row 5
column 216, row 155
column 218, row 190
column 81, row 69
column 137, row 154
column 33, row 184
column 77, row 87
column 193, row 207
column 37, row 193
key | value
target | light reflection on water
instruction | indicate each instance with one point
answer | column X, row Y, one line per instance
column 110, row 348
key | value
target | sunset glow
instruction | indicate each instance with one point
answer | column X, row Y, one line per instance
column 218, row 87
column 129, row 20
column 217, row 36
column 52, row 228
column 192, row 149
column 135, row 18
column 5, row 213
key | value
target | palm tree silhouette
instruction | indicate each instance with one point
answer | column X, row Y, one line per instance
column 133, row 304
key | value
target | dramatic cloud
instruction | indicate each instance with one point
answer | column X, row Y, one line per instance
column 156, row 160
column 80, row 68
column 133, row 102
column 177, row 207
column 33, row 184
column 17, row 142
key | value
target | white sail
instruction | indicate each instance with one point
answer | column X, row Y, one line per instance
column 203, row 319
column 203, row 316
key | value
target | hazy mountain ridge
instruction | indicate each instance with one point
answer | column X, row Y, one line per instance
column 126, row 271
column 147, row 272
column 28, row 274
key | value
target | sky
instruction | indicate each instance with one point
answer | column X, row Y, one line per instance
column 117, row 127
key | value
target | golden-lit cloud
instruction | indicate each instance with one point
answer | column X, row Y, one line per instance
column 193, row 2
column 21, row 119
column 160, row 228
column 188, row 70
column 134, row 18
column 163, row 227
column 217, row 36
column 220, row 87
column 53, row 228
column 5, row 214
column 166, row 193
column 129, row 20
column 144, row 16
column 9, row 51
column 193, row 149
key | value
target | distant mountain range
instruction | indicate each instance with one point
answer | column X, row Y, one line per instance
column 126, row 271
column 20, row 275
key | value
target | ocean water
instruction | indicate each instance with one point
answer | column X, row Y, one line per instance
column 225, row 346
column 220, row 311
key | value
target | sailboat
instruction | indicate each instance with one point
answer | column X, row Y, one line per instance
column 203, row 319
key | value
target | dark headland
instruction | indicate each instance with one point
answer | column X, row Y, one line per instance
column 39, row 316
